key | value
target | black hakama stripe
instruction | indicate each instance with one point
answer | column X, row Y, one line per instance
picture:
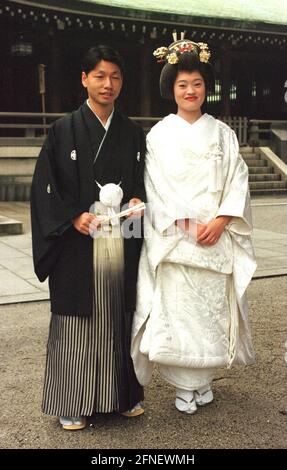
column 81, row 375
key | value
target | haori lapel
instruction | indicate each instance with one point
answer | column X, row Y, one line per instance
column 111, row 141
column 109, row 160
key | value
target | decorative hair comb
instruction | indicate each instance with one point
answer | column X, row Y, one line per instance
column 172, row 53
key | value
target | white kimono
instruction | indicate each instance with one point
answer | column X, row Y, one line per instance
column 191, row 310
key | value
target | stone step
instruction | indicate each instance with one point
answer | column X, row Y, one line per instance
column 19, row 152
column 10, row 226
column 260, row 169
column 247, row 148
column 15, row 192
column 15, row 188
column 268, row 192
column 264, row 177
column 256, row 162
column 21, row 141
column 251, row 156
column 268, row 185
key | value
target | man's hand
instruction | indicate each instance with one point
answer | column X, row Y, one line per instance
column 133, row 202
column 86, row 223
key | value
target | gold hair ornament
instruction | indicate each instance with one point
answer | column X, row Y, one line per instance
column 171, row 54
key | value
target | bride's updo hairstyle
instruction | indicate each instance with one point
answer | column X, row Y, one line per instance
column 183, row 56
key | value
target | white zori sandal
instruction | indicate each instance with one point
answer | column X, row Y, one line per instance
column 185, row 401
column 73, row 423
column 203, row 396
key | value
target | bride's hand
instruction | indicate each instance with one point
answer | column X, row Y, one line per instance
column 210, row 233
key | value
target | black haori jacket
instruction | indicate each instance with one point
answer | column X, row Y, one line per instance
column 63, row 187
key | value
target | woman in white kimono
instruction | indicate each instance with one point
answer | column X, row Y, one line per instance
column 197, row 259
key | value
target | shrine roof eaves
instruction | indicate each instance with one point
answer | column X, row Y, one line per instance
column 264, row 15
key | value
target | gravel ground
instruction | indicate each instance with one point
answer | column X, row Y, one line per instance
column 246, row 412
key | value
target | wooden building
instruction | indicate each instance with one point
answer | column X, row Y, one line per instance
column 248, row 41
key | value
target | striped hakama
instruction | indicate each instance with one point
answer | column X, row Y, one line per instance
column 83, row 357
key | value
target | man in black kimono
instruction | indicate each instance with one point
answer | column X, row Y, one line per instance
column 92, row 281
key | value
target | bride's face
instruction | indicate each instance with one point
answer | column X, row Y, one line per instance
column 189, row 91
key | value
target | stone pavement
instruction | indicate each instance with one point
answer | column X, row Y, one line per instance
column 247, row 413
column 270, row 235
column 18, row 282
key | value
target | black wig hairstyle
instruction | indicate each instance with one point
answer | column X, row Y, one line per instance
column 102, row 52
column 187, row 62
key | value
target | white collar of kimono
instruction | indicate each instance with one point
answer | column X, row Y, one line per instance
column 202, row 120
column 108, row 122
column 202, row 133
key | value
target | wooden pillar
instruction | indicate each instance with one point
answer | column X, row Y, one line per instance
column 7, row 93
column 54, row 73
column 145, row 79
column 25, row 84
column 276, row 89
column 225, row 73
column 244, row 88
column 259, row 89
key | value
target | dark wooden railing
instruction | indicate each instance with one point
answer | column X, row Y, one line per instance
column 251, row 132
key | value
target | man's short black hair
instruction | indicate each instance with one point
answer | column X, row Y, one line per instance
column 101, row 52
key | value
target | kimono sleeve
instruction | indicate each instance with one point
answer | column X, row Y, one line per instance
column 52, row 210
column 162, row 207
column 235, row 200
